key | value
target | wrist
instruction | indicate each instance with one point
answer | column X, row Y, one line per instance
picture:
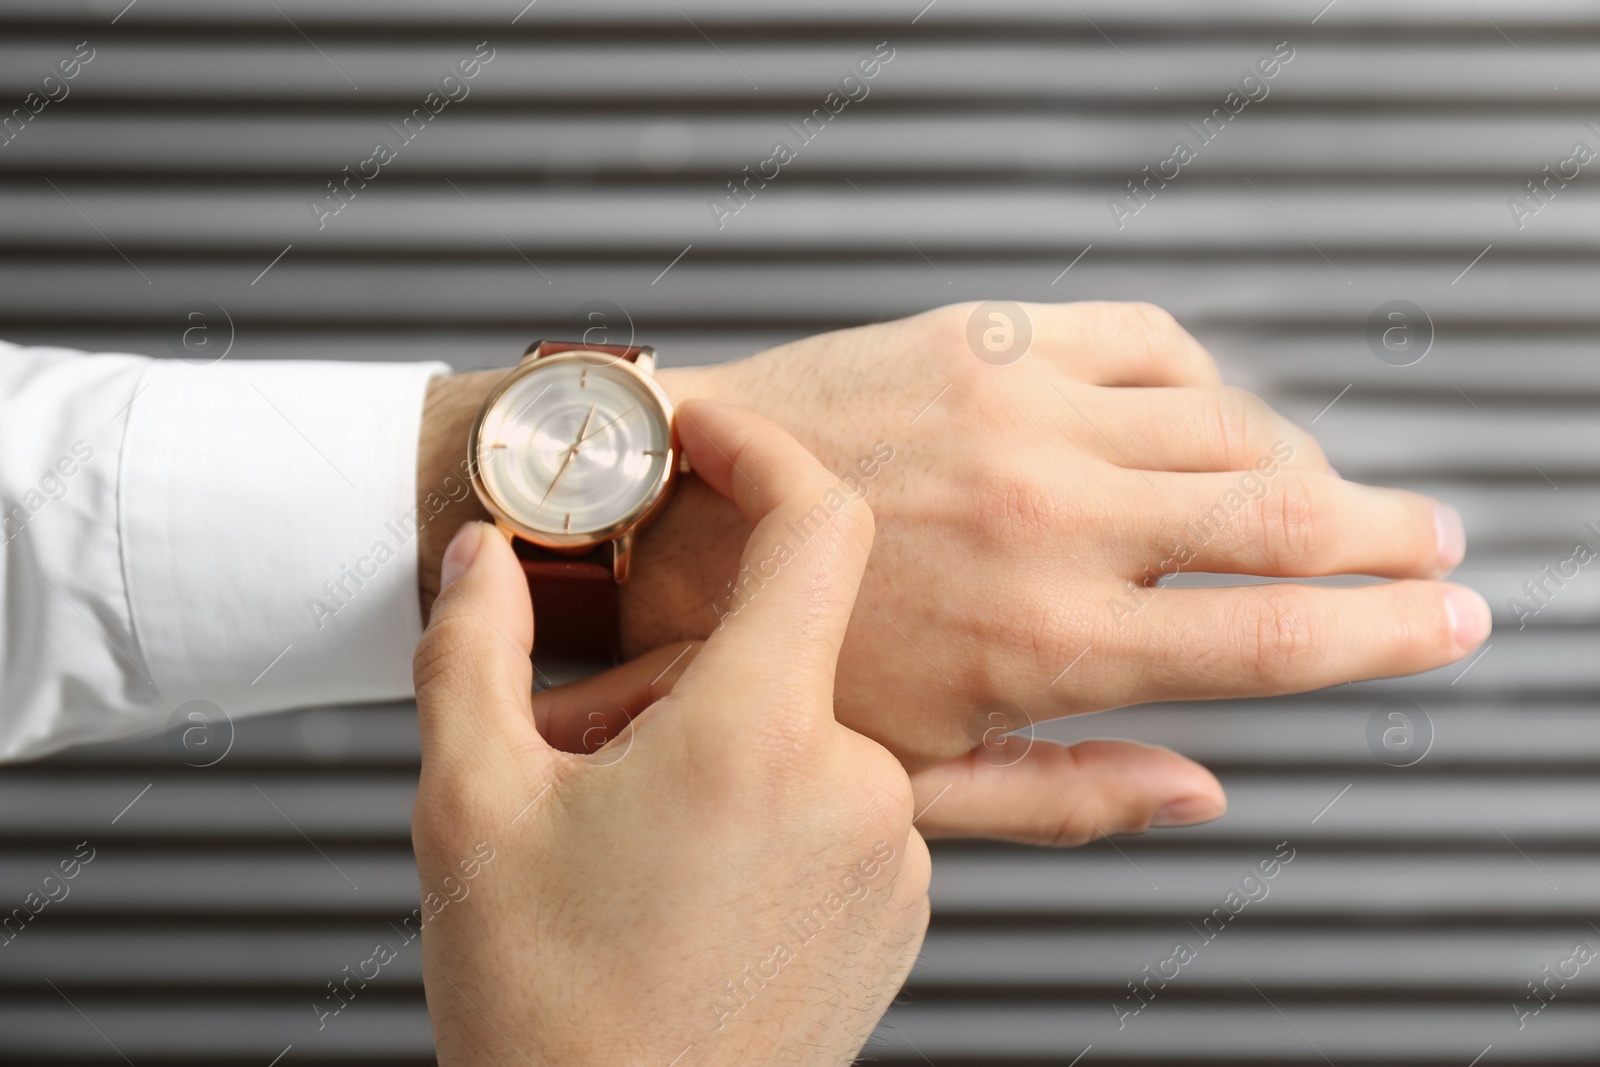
column 445, row 499
column 682, row 383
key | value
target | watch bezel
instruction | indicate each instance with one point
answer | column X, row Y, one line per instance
column 578, row 543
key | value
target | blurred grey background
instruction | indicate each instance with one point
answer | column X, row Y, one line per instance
column 1443, row 861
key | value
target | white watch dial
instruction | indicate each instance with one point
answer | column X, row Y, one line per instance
column 575, row 447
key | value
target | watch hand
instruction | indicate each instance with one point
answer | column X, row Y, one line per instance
column 609, row 424
column 566, row 457
column 566, row 461
column 584, row 428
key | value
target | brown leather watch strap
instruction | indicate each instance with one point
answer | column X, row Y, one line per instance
column 574, row 605
column 549, row 348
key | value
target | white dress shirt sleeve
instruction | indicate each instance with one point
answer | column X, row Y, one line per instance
column 241, row 533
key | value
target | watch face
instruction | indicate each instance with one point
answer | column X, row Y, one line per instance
column 576, row 448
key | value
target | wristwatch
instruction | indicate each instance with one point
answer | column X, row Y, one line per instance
column 572, row 453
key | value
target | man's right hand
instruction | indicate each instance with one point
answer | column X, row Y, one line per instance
column 735, row 879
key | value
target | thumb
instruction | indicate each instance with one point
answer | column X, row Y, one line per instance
column 472, row 669
column 792, row 598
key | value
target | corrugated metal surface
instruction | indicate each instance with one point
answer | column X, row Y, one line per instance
column 1421, row 900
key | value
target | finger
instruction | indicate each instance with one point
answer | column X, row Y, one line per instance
column 1061, row 795
column 1120, row 344
column 1200, row 430
column 1298, row 523
column 585, row 715
column 472, row 669
column 1272, row 638
column 796, row 585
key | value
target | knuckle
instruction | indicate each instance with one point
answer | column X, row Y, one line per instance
column 892, row 804
column 1293, row 519
column 944, row 332
column 1030, row 631
column 1163, row 338
column 1052, row 824
column 449, row 637
column 1152, row 324
column 1303, row 446
column 1254, row 431
column 911, row 883
column 1053, row 827
column 1072, row 832
column 1013, row 503
column 880, row 814
column 1152, row 318
column 1279, row 633
column 1241, row 422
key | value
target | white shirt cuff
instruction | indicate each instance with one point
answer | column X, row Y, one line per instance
column 269, row 521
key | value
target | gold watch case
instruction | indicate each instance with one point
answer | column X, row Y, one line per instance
column 620, row 533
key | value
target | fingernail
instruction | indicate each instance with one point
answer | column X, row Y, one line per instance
column 462, row 551
column 1452, row 536
column 1188, row 812
column 1469, row 616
